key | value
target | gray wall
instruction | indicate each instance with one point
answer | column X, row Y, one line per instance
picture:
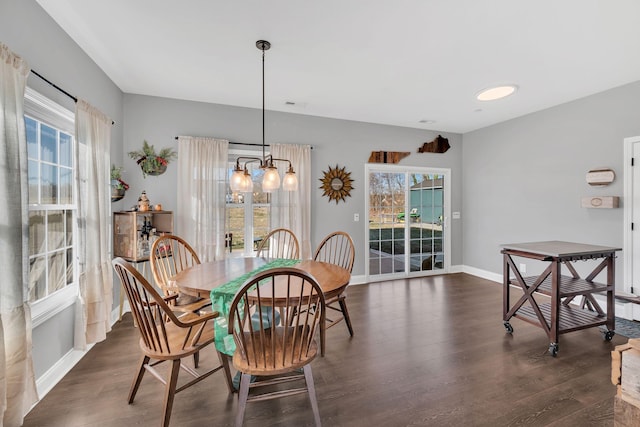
column 346, row 143
column 523, row 179
column 32, row 34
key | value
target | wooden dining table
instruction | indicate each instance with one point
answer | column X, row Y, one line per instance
column 200, row 280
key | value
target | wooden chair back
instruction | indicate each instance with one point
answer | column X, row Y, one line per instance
column 337, row 248
column 290, row 308
column 279, row 243
column 151, row 314
column 170, row 255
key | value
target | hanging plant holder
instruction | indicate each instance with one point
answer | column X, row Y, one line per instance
column 151, row 167
column 117, row 194
column 118, row 186
column 150, row 162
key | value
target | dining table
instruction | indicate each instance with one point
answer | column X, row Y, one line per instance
column 221, row 279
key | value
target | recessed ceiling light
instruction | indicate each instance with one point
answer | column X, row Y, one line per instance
column 289, row 103
column 496, row 92
column 427, row 122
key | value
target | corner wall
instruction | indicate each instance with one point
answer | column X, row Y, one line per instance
column 523, row 179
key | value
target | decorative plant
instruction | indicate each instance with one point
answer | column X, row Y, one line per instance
column 150, row 162
column 116, row 179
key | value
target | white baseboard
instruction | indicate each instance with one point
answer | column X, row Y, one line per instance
column 494, row 277
column 48, row 380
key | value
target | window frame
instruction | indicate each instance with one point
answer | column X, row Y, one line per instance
column 44, row 110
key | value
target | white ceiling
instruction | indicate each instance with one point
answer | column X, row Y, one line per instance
column 393, row 62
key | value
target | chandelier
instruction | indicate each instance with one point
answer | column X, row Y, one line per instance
column 241, row 178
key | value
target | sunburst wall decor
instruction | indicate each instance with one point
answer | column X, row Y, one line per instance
column 337, row 184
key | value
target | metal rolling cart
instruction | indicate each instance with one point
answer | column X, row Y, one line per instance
column 559, row 316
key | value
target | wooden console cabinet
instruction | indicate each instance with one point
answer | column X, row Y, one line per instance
column 133, row 232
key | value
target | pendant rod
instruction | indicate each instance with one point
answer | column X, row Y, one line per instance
column 263, row 126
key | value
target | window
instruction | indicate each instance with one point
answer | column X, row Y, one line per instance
column 248, row 214
column 52, row 204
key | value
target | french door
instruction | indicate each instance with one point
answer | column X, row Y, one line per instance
column 407, row 210
column 631, row 252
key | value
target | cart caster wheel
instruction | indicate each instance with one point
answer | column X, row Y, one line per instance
column 609, row 335
column 553, row 349
column 508, row 327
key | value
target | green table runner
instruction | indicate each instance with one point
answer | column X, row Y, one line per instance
column 222, row 296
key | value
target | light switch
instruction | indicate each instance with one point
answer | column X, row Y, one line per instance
column 356, row 217
column 455, row 215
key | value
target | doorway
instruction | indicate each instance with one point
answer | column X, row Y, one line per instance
column 407, row 211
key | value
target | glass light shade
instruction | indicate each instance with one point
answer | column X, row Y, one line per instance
column 247, row 183
column 271, row 180
column 290, row 181
column 237, row 180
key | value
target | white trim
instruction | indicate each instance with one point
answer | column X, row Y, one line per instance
column 358, row 280
column 49, row 379
column 42, row 108
column 46, row 308
column 627, row 248
column 456, row 269
column 494, row 277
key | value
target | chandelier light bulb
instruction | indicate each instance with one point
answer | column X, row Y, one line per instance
column 271, row 180
column 290, row 181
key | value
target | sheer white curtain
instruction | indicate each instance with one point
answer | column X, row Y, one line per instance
column 17, row 380
column 202, row 174
column 93, row 136
column 292, row 209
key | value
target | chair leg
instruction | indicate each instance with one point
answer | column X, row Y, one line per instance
column 345, row 313
column 224, row 360
column 311, row 388
column 243, row 394
column 170, row 391
column 323, row 332
column 136, row 381
column 196, row 359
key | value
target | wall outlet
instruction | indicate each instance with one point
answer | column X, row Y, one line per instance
column 356, row 217
column 523, row 268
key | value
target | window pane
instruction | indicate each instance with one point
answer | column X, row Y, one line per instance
column 260, row 221
column 49, row 184
column 66, row 189
column 65, row 149
column 48, row 144
column 55, row 230
column 57, row 271
column 235, row 224
column 69, row 228
column 36, row 232
column 32, row 137
column 69, row 266
column 37, row 279
column 34, row 181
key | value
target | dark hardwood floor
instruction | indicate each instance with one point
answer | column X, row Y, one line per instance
column 426, row 352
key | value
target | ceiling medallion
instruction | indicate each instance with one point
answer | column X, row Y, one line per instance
column 336, row 183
